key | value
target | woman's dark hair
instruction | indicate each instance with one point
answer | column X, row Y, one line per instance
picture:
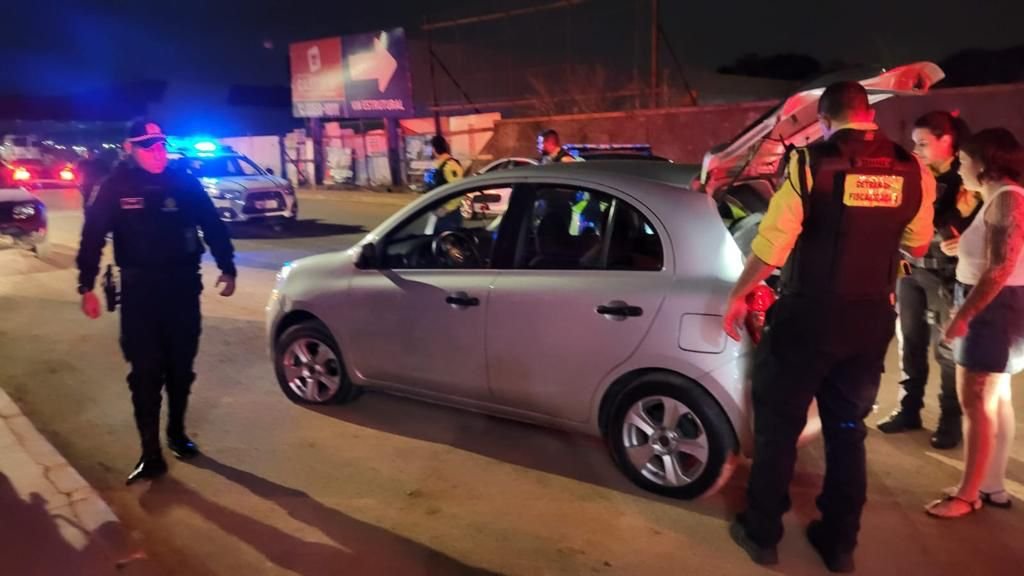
column 440, row 145
column 998, row 150
column 941, row 123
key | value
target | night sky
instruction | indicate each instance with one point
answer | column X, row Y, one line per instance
column 55, row 46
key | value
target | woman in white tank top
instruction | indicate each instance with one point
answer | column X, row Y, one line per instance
column 988, row 328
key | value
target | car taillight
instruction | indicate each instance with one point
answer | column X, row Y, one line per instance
column 67, row 175
column 20, row 174
column 758, row 302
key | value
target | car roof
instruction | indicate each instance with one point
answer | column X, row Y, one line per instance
column 677, row 175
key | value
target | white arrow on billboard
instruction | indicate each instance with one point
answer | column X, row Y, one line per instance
column 377, row 64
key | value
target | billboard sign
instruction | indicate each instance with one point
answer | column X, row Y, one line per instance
column 355, row 76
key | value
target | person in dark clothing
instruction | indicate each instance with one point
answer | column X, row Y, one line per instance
column 846, row 206
column 155, row 214
column 549, row 144
column 925, row 296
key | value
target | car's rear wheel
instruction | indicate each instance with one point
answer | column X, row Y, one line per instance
column 670, row 437
column 309, row 366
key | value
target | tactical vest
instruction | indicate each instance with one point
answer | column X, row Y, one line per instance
column 865, row 190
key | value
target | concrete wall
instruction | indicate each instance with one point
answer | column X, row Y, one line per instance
column 681, row 134
column 981, row 107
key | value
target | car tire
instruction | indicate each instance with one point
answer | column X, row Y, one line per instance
column 698, row 446
column 319, row 379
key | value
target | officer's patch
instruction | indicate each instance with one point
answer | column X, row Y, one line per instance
column 132, row 203
column 170, row 205
column 864, row 191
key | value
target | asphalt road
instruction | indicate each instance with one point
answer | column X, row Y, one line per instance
column 392, row 486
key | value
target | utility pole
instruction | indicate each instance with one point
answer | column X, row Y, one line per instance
column 654, row 53
column 433, row 77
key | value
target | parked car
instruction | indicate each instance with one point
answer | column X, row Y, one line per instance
column 23, row 219
column 240, row 189
column 600, row 315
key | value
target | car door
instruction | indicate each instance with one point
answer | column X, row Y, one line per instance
column 420, row 315
column 589, row 275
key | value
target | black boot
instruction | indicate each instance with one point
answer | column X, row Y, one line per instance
column 901, row 420
column 148, row 468
column 762, row 555
column 835, row 561
column 949, row 434
column 182, row 446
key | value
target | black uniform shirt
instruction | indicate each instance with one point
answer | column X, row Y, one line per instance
column 155, row 220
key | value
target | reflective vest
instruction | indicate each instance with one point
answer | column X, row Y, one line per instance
column 865, row 190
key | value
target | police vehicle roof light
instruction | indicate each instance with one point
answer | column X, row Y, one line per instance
column 205, row 146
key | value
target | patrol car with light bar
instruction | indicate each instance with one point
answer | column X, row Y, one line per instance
column 241, row 190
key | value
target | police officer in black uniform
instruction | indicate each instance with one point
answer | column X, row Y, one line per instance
column 837, row 223
column 925, row 296
column 155, row 213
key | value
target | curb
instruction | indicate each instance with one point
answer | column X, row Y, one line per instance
column 34, row 467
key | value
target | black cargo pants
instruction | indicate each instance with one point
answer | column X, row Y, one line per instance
column 925, row 300
column 833, row 353
column 160, row 327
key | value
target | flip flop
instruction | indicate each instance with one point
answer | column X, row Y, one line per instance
column 971, row 507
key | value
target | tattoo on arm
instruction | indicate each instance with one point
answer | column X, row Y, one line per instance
column 1004, row 242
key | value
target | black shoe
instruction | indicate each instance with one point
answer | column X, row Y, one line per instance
column 147, row 469
column 835, row 561
column 763, row 555
column 900, row 421
column 182, row 447
column 948, row 435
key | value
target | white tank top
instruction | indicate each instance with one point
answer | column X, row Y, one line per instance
column 973, row 253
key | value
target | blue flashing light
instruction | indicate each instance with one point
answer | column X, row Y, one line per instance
column 205, row 146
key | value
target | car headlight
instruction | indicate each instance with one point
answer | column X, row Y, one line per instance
column 218, row 194
column 24, row 211
column 289, row 190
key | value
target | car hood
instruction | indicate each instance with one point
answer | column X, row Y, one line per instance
column 757, row 150
column 15, row 195
column 246, row 183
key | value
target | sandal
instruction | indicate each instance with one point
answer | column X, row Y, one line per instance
column 935, row 508
column 989, row 500
column 998, row 499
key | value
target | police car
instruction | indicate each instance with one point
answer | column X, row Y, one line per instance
column 240, row 189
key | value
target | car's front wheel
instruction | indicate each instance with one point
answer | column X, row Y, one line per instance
column 670, row 437
column 309, row 366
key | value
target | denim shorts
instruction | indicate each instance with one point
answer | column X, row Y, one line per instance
column 995, row 337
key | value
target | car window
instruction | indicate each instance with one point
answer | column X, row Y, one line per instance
column 457, row 231
column 221, row 167
column 571, row 229
column 563, row 230
column 634, row 243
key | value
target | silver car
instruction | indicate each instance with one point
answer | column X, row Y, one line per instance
column 593, row 304
column 241, row 190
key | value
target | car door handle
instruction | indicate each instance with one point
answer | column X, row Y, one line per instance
column 620, row 309
column 462, row 300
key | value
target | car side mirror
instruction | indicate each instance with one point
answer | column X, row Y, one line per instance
column 269, row 170
column 367, row 259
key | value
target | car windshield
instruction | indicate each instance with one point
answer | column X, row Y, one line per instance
column 222, row 167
